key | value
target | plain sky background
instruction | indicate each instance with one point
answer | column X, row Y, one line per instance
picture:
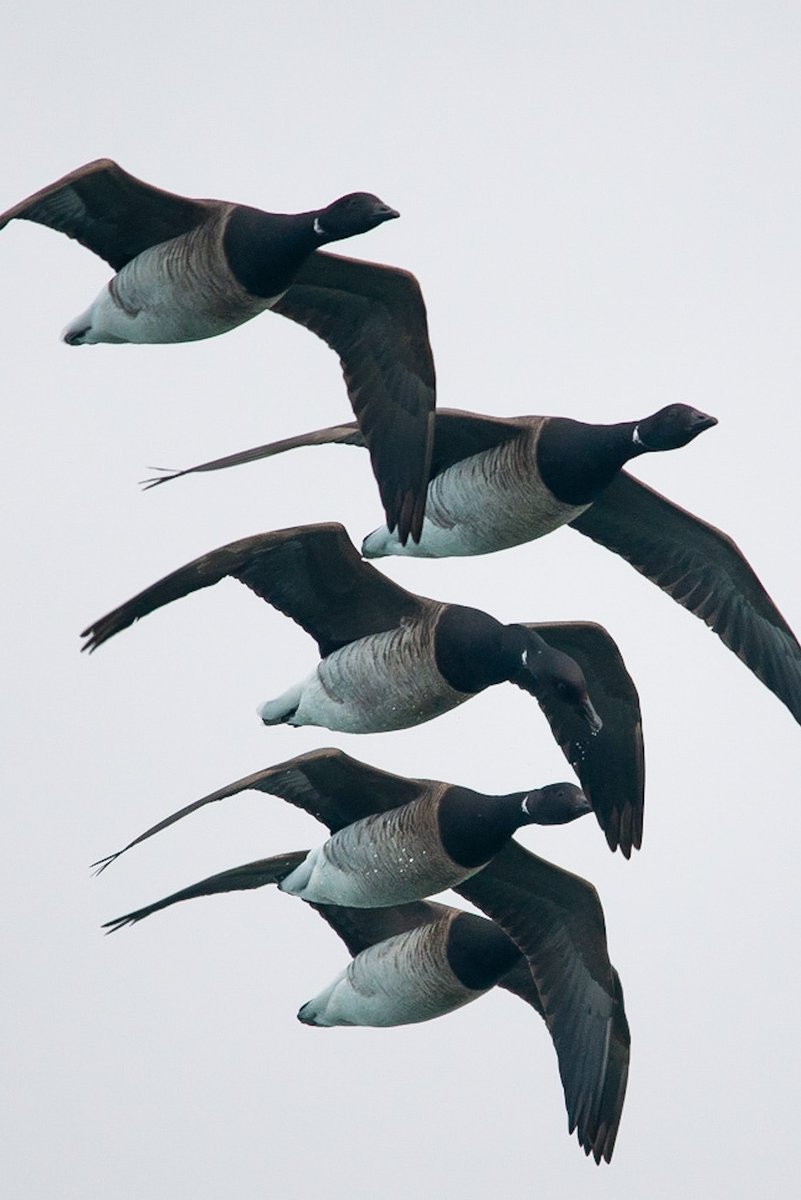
column 602, row 202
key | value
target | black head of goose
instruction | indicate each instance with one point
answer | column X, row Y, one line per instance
column 497, row 482
column 191, row 269
column 393, row 839
column 391, row 659
column 548, row 946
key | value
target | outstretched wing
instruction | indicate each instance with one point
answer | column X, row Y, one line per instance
column 237, row 879
column 457, row 435
column 312, row 573
column 110, row 212
column 557, row 921
column 611, row 763
column 349, row 435
column 328, row 784
column 374, row 317
column 705, row 572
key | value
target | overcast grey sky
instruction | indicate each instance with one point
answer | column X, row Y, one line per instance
column 601, row 202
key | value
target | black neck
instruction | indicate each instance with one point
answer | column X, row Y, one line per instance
column 474, row 827
column 577, row 460
column 470, row 649
column 264, row 250
column 479, row 952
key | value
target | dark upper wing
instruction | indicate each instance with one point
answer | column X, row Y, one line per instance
column 457, row 435
column 313, row 573
column 330, row 785
column 611, row 763
column 705, row 572
column 557, row 921
column 238, row 879
column 110, row 212
column 374, row 318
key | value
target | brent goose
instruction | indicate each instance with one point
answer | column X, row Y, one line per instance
column 498, row 482
column 393, row 839
column 191, row 269
column 547, row 944
column 391, row 659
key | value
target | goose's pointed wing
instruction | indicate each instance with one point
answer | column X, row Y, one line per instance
column 110, row 212
column 358, row 927
column 457, row 435
column 611, row 763
column 312, row 573
column 330, row 785
column 374, row 318
column 348, row 435
column 557, row 921
column 237, row 879
column 705, row 572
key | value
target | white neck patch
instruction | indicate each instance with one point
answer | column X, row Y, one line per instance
column 318, row 229
column 635, row 437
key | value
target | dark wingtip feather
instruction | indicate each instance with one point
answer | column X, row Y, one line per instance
column 97, row 868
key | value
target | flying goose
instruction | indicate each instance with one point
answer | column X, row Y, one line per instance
column 391, row 659
column 501, row 481
column 393, row 839
column 547, row 945
column 191, row 269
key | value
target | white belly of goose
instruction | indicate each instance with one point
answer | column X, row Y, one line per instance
column 178, row 291
column 382, row 682
column 389, row 858
column 489, row 502
column 400, row 981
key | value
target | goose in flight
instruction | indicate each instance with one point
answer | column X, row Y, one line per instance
column 545, row 941
column 391, row 659
column 190, row 269
column 497, row 482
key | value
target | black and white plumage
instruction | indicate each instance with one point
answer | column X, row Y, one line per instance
column 393, row 839
column 497, row 482
column 420, row 960
column 391, row 659
column 190, row 269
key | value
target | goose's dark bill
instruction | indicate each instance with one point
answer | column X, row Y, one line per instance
column 580, row 997
column 391, row 659
column 695, row 563
column 192, row 269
